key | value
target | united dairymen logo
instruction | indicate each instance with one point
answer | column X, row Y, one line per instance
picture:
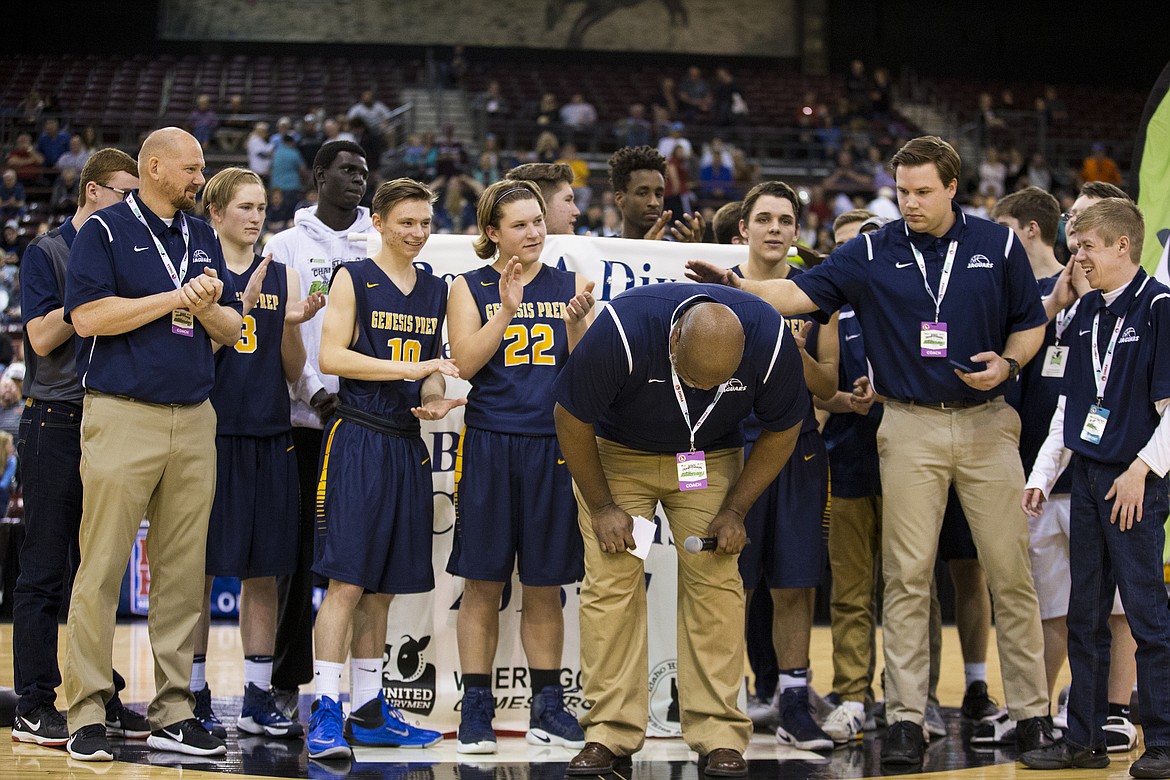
column 200, row 257
column 1130, row 335
column 664, row 708
column 411, row 685
column 980, row 261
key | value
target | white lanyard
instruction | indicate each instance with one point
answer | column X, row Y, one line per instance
column 177, row 278
column 682, row 405
column 943, row 281
column 1101, row 368
column 1065, row 317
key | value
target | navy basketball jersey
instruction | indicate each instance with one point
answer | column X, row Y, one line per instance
column 513, row 392
column 751, row 426
column 250, row 396
column 393, row 326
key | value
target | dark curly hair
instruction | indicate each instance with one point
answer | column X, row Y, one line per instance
column 633, row 158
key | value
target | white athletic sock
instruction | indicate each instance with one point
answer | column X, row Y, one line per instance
column 792, row 678
column 327, row 679
column 365, row 681
column 258, row 671
column 198, row 673
column 975, row 672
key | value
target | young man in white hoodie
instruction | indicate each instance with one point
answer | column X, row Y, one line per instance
column 317, row 243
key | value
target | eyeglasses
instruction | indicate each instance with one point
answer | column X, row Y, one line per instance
column 121, row 192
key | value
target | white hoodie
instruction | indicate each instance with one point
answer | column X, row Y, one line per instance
column 313, row 249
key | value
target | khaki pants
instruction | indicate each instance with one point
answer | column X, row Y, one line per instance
column 855, row 528
column 921, row 452
column 140, row 459
column 710, row 610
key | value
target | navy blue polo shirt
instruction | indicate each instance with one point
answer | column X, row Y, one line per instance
column 618, row 378
column 1034, row 396
column 114, row 255
column 992, row 294
column 1139, row 376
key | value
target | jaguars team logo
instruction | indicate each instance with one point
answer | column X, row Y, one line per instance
column 664, row 712
column 408, row 678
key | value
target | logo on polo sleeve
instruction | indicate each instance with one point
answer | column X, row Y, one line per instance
column 200, row 257
column 980, row 261
column 1129, row 336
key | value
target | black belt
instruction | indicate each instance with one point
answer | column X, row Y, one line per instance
column 950, row 406
column 376, row 423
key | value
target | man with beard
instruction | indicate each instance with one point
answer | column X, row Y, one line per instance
column 148, row 291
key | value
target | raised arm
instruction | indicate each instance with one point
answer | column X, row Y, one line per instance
column 473, row 343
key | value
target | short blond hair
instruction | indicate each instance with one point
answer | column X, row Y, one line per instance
column 1113, row 218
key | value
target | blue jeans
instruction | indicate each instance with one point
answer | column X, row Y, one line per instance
column 49, row 447
column 1101, row 557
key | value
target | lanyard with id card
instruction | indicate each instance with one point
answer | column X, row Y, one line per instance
column 1056, row 356
column 932, row 336
column 1098, row 416
column 182, row 320
column 692, row 465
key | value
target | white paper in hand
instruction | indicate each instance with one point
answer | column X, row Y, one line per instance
column 643, row 536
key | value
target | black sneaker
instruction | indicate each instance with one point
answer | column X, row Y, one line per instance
column 977, row 705
column 121, row 721
column 1033, row 734
column 1063, row 755
column 42, row 725
column 186, row 736
column 1155, row 762
column 89, row 743
column 903, row 743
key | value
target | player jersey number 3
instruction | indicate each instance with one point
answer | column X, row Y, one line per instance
column 519, row 338
column 247, row 343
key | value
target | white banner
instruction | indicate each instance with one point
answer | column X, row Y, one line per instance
column 421, row 666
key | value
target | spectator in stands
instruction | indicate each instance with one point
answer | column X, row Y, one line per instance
column 1038, row 172
column 857, row 87
column 454, row 68
column 992, row 173
column 881, row 99
column 695, row 98
column 89, row 139
column 717, row 172
column 373, row 112
column 675, row 138
column 203, row 121
column 633, row 129
column 12, row 203
column 1057, row 112
column 747, row 173
column 29, row 110
column 11, row 408
column 548, row 149
column 279, row 214
column 11, row 245
column 311, row 139
column 77, row 155
column 284, row 126
column 987, row 120
column 578, row 113
column 372, row 140
column 331, row 131
column 53, row 142
column 234, row 127
column 490, row 104
column 487, row 169
column 451, row 158
column 665, row 98
column 637, row 176
column 1099, row 166
column 549, row 112
column 828, row 136
column 259, row 149
column 845, row 177
column 66, row 190
column 884, row 205
column 289, row 171
column 677, row 197
column 875, row 166
column 582, row 193
column 25, row 159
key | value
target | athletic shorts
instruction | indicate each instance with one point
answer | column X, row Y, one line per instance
column 514, row 505
column 253, row 526
column 787, row 525
column 1048, row 549
column 955, row 542
column 375, row 511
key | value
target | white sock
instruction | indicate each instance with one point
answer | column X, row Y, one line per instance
column 327, row 680
column 365, row 681
column 198, row 673
column 792, row 678
column 975, row 673
column 258, row 671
